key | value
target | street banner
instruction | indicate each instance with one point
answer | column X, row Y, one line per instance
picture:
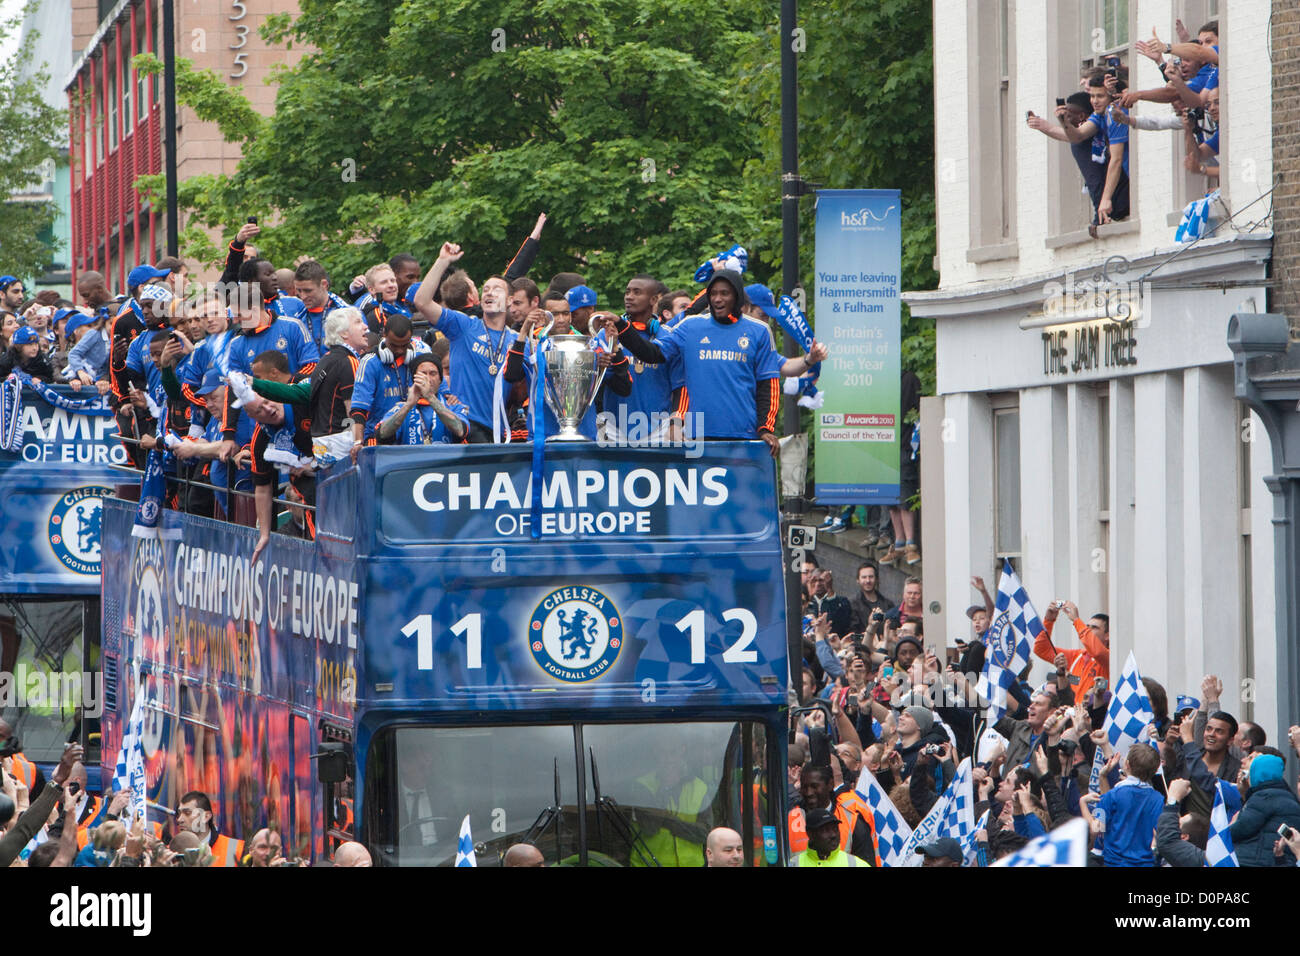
column 856, row 311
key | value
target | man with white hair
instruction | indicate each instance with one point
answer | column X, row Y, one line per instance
column 328, row 392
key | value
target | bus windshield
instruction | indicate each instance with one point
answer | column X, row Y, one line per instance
column 651, row 792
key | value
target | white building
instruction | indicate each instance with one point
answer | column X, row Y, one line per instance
column 1132, row 481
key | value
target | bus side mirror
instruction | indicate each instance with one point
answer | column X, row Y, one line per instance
column 331, row 762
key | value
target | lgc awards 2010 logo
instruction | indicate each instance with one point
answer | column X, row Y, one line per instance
column 75, row 525
column 575, row 634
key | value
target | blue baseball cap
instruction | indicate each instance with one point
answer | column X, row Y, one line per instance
column 580, row 297
column 143, row 273
column 211, row 382
column 761, row 296
column 7, row 281
column 76, row 319
column 25, row 336
column 1186, row 702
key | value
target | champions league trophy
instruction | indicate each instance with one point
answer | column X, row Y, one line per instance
column 572, row 379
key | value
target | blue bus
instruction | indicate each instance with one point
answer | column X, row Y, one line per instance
column 605, row 676
column 54, row 479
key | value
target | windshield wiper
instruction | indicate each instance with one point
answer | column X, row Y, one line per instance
column 618, row 819
column 549, row 815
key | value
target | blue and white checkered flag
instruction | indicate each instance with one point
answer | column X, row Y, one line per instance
column 1008, row 640
column 465, row 846
column 128, row 772
column 1218, row 848
column 1067, row 845
column 959, row 821
column 1130, row 710
column 892, row 831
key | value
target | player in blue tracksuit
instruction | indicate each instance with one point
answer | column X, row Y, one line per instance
column 730, row 370
column 478, row 346
column 312, row 284
column 264, row 331
column 519, row 365
column 384, row 379
column 634, row 417
column 431, row 414
column 262, row 272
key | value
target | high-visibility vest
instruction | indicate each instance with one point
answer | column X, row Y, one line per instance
column 226, row 851
column 848, row 807
column 25, row 771
column 668, row 848
column 838, row 858
column 83, row 829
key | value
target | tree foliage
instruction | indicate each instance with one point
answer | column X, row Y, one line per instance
column 648, row 132
column 30, row 129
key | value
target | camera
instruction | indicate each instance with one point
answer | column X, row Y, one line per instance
column 933, row 749
column 1060, row 101
column 801, row 536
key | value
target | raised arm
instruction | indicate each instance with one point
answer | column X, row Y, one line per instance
column 794, row 367
column 1034, row 121
column 523, row 260
column 424, row 295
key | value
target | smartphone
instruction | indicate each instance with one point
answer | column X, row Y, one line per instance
column 1284, row 831
column 1112, row 61
column 1060, row 101
column 253, row 220
column 1028, row 113
column 887, row 672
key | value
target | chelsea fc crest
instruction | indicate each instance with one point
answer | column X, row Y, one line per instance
column 74, row 528
column 575, row 634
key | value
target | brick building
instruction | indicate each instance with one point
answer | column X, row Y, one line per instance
column 116, row 115
column 1285, row 28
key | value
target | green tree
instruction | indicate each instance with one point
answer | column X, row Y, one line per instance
column 410, row 123
column 30, row 129
column 866, row 120
column 647, row 130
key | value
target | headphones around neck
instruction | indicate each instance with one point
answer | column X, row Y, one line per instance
column 386, row 354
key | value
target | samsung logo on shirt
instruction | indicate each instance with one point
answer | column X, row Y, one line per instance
column 726, row 355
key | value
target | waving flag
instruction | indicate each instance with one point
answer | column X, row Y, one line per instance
column 465, row 846
column 735, row 258
column 1067, row 845
column 1008, row 640
column 152, row 488
column 959, row 821
column 1130, row 710
column 128, row 772
column 1218, row 848
column 892, row 831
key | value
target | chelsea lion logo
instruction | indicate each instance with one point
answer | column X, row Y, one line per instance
column 74, row 528
column 743, row 341
column 575, row 634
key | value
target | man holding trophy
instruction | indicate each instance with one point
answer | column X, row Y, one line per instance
column 578, row 370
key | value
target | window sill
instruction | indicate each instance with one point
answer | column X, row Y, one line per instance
column 1006, row 250
column 1080, row 237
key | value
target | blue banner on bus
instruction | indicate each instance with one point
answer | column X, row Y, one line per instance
column 52, row 491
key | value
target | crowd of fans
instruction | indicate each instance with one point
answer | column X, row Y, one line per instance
column 58, row 823
column 877, row 695
column 247, row 388
column 1095, row 120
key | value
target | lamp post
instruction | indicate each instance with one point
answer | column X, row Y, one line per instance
column 1266, row 376
column 169, row 123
